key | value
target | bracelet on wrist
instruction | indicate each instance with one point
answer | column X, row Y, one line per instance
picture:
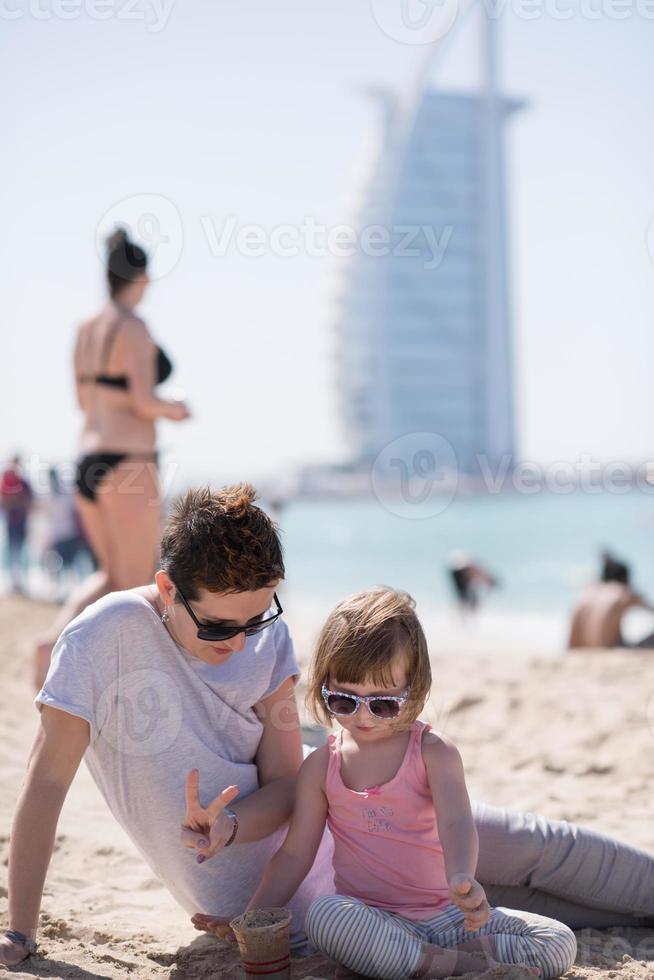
column 232, row 816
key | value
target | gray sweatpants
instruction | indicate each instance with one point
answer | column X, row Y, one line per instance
column 562, row 871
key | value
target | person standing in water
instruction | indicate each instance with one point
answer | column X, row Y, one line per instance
column 117, row 368
column 468, row 579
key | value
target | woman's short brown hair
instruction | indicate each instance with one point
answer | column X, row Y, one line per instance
column 220, row 541
column 358, row 642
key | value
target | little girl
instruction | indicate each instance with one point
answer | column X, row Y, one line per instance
column 393, row 794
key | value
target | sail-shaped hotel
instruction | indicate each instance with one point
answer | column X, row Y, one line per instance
column 423, row 333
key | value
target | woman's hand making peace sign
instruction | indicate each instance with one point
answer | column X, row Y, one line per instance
column 206, row 829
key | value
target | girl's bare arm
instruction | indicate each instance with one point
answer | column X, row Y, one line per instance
column 456, row 828
column 291, row 864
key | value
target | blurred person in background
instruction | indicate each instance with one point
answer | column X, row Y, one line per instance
column 16, row 499
column 469, row 580
column 597, row 618
column 64, row 545
column 117, row 367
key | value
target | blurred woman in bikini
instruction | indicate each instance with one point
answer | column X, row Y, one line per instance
column 117, row 368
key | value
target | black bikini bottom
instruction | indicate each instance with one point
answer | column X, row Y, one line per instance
column 94, row 467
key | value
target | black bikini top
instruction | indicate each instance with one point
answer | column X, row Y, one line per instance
column 164, row 367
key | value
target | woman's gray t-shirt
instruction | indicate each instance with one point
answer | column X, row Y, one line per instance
column 156, row 712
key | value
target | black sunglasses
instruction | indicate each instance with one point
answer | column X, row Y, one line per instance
column 215, row 634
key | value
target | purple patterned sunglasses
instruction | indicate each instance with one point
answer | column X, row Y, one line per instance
column 384, row 706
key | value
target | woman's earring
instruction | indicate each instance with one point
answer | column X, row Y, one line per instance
column 164, row 617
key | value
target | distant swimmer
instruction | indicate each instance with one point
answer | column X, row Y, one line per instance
column 469, row 580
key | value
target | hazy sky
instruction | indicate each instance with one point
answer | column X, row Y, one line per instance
column 253, row 108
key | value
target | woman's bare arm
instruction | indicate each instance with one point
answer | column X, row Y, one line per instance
column 139, row 352
column 56, row 754
column 81, row 389
column 278, row 760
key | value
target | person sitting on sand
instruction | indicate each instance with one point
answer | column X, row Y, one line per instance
column 407, row 902
column 597, row 618
column 198, row 670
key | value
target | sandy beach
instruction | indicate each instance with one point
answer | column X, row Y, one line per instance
column 571, row 738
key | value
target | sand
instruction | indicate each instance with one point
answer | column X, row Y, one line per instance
column 571, row 738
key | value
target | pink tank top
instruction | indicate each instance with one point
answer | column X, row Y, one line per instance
column 387, row 852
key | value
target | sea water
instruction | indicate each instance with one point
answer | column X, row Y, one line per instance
column 544, row 548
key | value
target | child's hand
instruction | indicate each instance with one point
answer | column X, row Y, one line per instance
column 217, row 927
column 468, row 895
column 206, row 829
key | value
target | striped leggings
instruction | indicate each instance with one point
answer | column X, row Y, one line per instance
column 382, row 944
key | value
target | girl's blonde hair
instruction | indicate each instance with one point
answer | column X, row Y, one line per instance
column 358, row 643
